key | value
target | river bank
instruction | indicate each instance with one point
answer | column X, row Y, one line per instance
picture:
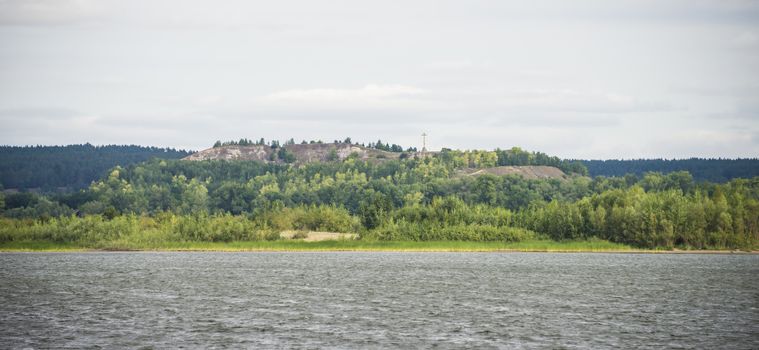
column 588, row 246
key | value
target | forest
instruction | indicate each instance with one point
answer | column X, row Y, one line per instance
column 379, row 145
column 702, row 169
column 409, row 199
column 56, row 168
column 72, row 166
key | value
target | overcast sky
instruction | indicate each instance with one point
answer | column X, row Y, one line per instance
column 577, row 79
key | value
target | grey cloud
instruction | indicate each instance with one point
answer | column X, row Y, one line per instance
column 742, row 91
column 619, row 76
column 161, row 122
column 555, row 120
column 37, row 113
column 47, row 12
column 705, row 143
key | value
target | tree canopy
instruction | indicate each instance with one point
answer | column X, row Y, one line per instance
column 702, row 169
column 410, row 198
column 72, row 166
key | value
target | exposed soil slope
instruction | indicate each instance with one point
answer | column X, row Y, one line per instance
column 528, row 172
column 325, row 152
column 316, row 236
column 303, row 153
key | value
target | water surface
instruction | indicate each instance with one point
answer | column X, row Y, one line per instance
column 378, row 300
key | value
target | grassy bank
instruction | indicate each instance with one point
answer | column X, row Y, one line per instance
column 334, row 245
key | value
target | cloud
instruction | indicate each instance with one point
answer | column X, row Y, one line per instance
column 208, row 100
column 407, row 104
column 592, row 78
column 536, row 100
column 547, row 107
column 454, row 65
column 750, row 90
column 37, row 113
column 47, row 12
column 44, row 126
column 365, row 103
column 745, row 40
column 367, row 94
column 697, row 142
column 581, row 101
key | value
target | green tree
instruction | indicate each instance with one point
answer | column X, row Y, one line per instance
column 332, row 155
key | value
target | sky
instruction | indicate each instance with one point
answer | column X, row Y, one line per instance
column 577, row 79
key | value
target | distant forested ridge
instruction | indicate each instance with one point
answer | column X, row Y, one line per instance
column 712, row 170
column 73, row 166
column 413, row 199
column 430, row 196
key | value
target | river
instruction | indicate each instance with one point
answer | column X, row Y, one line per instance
column 378, row 300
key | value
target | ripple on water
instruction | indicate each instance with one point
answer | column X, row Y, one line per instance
column 360, row 300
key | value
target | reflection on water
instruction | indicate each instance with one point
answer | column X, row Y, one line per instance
column 389, row 300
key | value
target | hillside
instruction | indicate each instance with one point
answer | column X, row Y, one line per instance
column 713, row 170
column 301, row 153
column 530, row 172
column 72, row 166
column 324, row 152
column 445, row 196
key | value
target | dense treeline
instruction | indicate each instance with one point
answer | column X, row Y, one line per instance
column 97, row 230
column 387, row 147
column 722, row 216
column 511, row 157
column 517, row 156
column 72, row 166
column 712, row 170
column 422, row 198
column 379, row 145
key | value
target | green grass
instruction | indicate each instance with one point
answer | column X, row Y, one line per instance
column 339, row 245
column 39, row 246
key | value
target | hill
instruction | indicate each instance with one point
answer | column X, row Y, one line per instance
column 443, row 196
column 72, row 166
column 295, row 153
column 321, row 152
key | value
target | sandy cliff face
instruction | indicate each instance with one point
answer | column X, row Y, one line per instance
column 232, row 153
column 325, row 152
column 303, row 153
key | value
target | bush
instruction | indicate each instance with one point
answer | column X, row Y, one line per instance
column 416, row 231
column 311, row 218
